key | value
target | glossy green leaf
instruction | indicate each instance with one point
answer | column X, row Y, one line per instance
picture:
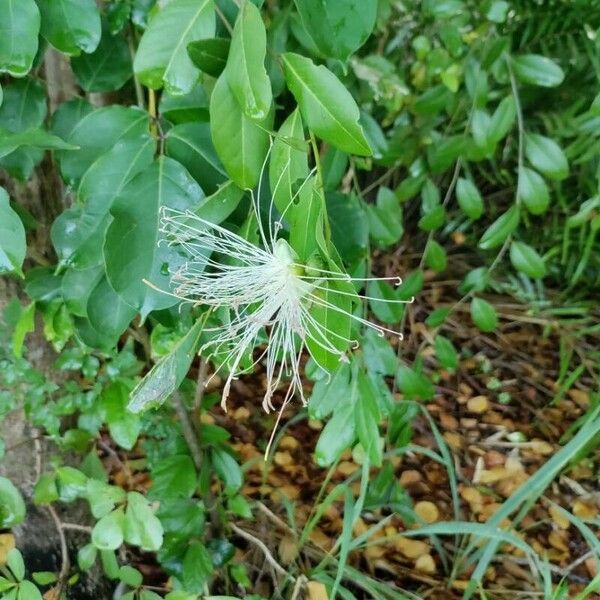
column 132, row 577
column 15, row 562
column 525, row 259
column 98, row 132
column 500, row 229
column 349, row 226
column 503, row 119
column 240, row 142
column 106, row 69
column 435, row 256
column 433, row 219
column 338, row 27
column 19, row 28
column 71, row 26
column 78, row 233
column 174, row 477
column 537, row 70
column 45, row 490
column 385, row 218
column 326, row 105
column 124, row 426
column 31, row 138
column 483, row 315
column 366, row 419
column 162, row 56
column 306, row 219
column 86, row 556
column 446, row 353
column 108, row 531
column 245, row 70
column 288, row 166
column 546, row 156
column 340, row 431
column 131, row 250
column 166, row 375
column 533, row 191
column 218, row 206
column 25, row 324
column 12, row 237
column 414, row 384
column 110, row 315
column 197, row 567
column 141, row 527
column 191, row 145
column 12, row 506
column 227, row 469
column 210, row 55
column 469, row 198
column 327, row 394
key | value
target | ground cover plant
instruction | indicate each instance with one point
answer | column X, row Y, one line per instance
column 299, row 299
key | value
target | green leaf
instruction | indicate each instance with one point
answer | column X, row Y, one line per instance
column 433, row 219
column 166, row 375
column 131, row 250
column 45, row 490
column 141, row 527
column 210, row 55
column 12, row 506
column 338, row 27
column 71, row 25
column 437, row 317
column 110, row 315
column 14, row 561
column 326, row 105
column 503, row 119
column 86, row 556
column 72, row 484
column 20, row 21
column 182, row 517
column 481, row 127
column 435, row 256
column 546, row 156
column 385, row 218
column 537, row 70
column 245, row 70
column 228, row 470
column 366, row 419
column 446, row 353
column 525, row 259
column 97, row 133
column 162, row 56
column 197, row 567
column 108, row 531
column 241, row 143
column 44, row 577
column 414, row 385
column 483, row 315
column 500, row 229
column 132, row 577
column 106, row 69
column 533, row 191
column 327, row 394
column 306, row 220
column 340, row 431
column 173, row 477
column 31, row 138
column 12, row 237
column 124, row 426
column 78, row 233
column 28, row 591
column 191, row 145
column 25, row 324
column 349, row 227
column 103, row 497
column 469, row 198
column 288, row 166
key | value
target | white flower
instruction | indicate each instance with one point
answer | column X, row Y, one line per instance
column 265, row 290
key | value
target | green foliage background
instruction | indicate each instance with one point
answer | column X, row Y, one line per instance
column 447, row 128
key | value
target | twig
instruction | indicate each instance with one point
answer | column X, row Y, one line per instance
column 76, row 527
column 64, row 552
column 300, row 582
column 267, row 553
column 200, row 389
column 187, row 429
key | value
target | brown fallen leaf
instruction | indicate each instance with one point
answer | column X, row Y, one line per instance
column 317, row 591
column 7, row 543
column 427, row 511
